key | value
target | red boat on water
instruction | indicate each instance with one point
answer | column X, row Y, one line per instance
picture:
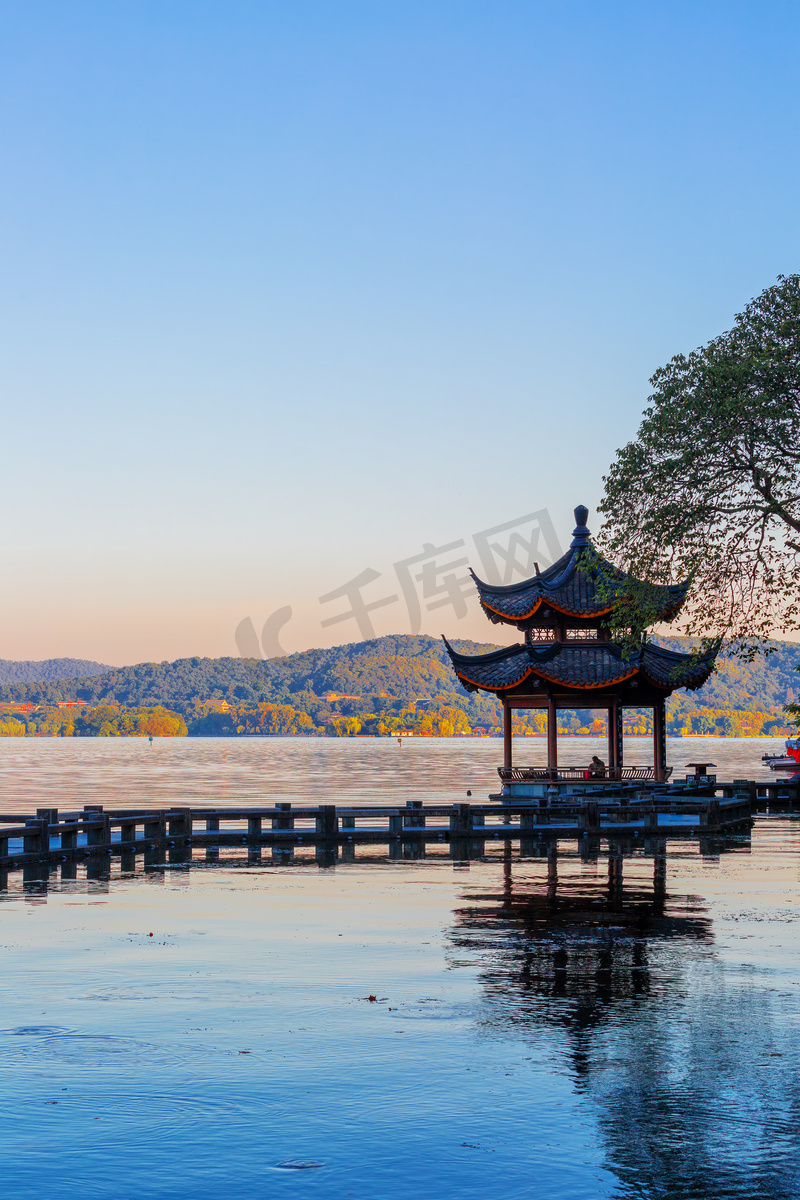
column 789, row 761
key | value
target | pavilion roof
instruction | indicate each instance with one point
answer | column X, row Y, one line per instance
column 581, row 584
column 577, row 666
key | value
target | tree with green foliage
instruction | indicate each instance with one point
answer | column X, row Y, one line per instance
column 710, row 486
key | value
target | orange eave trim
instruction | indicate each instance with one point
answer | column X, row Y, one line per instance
column 591, row 686
column 567, row 612
column 503, row 687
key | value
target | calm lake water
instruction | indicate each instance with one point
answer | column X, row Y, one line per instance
column 124, row 772
column 540, row 1027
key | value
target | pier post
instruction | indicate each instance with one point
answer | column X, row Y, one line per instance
column 478, row 848
column 155, row 832
column 98, row 836
column 327, row 823
column 461, row 820
column 127, row 835
column 414, row 817
column 212, row 852
column 180, row 835
column 528, row 820
column 69, row 837
column 180, row 824
column 461, row 832
column 283, row 853
column 38, row 840
column 283, row 822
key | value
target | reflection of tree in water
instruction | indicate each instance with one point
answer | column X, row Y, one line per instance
column 690, row 1066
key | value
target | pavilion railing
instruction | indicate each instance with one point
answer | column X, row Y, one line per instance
column 570, row 774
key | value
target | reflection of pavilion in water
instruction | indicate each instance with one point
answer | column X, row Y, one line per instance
column 659, row 1037
column 563, row 946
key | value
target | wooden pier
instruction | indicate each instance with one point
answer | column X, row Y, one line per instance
column 168, row 834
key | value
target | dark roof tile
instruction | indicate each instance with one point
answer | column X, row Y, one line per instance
column 581, row 666
column 581, row 584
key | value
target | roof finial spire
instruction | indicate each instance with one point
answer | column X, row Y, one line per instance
column 580, row 534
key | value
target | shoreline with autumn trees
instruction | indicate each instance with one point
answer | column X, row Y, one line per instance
column 283, row 720
column 386, row 687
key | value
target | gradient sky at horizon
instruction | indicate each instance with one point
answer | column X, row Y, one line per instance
column 289, row 289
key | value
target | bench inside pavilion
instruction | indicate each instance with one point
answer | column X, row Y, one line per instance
column 568, row 660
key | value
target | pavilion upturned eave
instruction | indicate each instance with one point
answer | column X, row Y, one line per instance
column 582, row 669
column 548, row 603
column 532, row 596
column 581, row 585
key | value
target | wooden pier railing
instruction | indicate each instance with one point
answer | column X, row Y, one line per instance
column 50, row 836
column 577, row 774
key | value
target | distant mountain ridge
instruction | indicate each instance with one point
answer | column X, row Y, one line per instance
column 405, row 667
column 363, row 676
column 30, row 671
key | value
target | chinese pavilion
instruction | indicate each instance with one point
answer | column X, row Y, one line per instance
column 568, row 659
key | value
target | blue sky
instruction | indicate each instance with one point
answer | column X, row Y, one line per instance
column 290, row 289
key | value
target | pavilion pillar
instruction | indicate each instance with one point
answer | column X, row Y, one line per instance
column 611, row 726
column 507, row 759
column 552, row 737
column 660, row 740
column 615, row 739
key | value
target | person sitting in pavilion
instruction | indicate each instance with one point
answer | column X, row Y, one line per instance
column 597, row 768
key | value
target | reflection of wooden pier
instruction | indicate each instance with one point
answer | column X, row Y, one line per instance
column 335, row 831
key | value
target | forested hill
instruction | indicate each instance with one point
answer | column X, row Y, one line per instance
column 365, row 676
column 769, row 681
column 26, row 671
column 403, row 667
